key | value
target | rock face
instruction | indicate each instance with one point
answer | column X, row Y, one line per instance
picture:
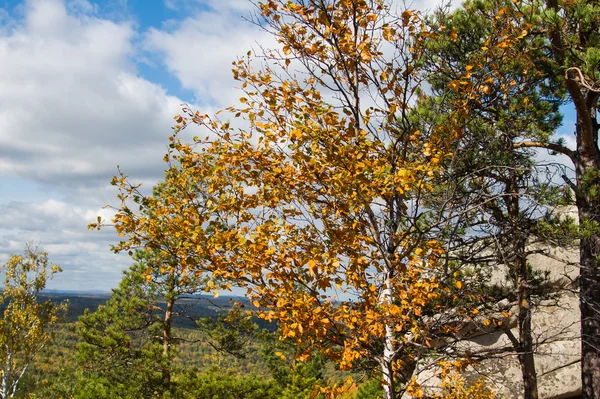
column 556, row 329
column 556, row 333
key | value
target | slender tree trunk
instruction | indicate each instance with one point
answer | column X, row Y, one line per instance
column 386, row 362
column 6, row 377
column 167, row 338
column 524, row 345
column 15, row 383
column 589, row 305
column 389, row 387
column 2, row 390
column 525, row 349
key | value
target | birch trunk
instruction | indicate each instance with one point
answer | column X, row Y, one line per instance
column 387, row 359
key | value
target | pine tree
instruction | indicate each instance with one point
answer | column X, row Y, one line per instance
column 121, row 351
column 371, row 389
column 559, row 42
column 507, row 204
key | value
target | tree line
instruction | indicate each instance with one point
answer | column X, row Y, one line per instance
column 118, row 350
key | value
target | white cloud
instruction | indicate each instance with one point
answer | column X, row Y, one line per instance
column 200, row 49
column 72, row 107
column 60, row 229
column 431, row 5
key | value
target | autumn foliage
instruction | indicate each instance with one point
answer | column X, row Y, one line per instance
column 314, row 192
column 26, row 324
column 314, row 204
column 457, row 387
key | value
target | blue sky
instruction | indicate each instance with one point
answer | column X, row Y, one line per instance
column 86, row 85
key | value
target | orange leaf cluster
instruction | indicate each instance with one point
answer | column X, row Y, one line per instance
column 314, row 204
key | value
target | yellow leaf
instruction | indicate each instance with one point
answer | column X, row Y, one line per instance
column 387, row 33
column 458, row 285
column 312, row 265
column 406, row 16
column 326, row 322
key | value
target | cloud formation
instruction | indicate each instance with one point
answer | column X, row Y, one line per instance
column 59, row 228
column 199, row 50
column 75, row 104
column 72, row 108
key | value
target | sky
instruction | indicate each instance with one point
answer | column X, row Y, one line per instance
column 86, row 85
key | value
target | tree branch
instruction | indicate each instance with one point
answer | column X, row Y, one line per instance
column 549, row 146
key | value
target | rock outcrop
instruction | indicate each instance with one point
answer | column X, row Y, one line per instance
column 556, row 331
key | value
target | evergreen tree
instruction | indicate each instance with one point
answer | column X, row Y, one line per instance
column 223, row 384
column 128, row 346
column 560, row 41
column 297, row 379
column 371, row 389
column 502, row 201
column 121, row 353
column 303, row 378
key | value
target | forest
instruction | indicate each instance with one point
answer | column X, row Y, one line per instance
column 378, row 191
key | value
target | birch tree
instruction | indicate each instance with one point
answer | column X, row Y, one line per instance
column 26, row 325
column 315, row 206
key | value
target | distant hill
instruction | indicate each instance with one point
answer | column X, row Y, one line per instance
column 76, row 292
column 78, row 302
column 197, row 306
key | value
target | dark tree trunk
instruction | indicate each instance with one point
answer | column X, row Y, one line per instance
column 589, row 280
column 525, row 349
column 524, row 344
column 587, row 192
